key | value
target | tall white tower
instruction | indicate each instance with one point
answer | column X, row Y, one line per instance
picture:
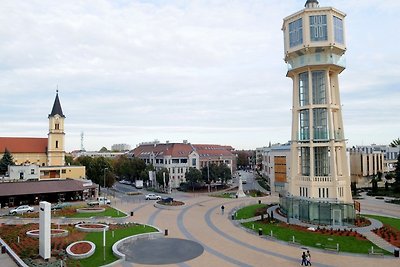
column 314, row 52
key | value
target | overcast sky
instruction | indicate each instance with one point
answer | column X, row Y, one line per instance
column 208, row 71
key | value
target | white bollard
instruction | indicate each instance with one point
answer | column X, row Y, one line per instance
column 293, row 239
column 272, row 233
column 104, row 237
column 18, row 239
column 113, row 234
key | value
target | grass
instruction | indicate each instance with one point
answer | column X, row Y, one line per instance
column 311, row 239
column 224, row 195
column 249, row 211
column 98, row 258
column 395, row 223
column 111, row 212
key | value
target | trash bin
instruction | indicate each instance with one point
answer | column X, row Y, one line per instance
column 3, row 250
column 131, row 213
column 233, row 216
column 259, row 231
column 166, row 232
column 259, row 201
column 262, row 217
column 396, row 252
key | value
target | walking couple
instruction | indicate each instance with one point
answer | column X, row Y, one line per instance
column 306, row 258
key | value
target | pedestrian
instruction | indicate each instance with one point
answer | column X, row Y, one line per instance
column 222, row 209
column 308, row 257
column 304, row 259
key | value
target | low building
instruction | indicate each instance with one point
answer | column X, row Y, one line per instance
column 275, row 165
column 20, row 193
column 120, row 147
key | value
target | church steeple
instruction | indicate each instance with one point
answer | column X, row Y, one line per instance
column 56, row 135
column 57, row 110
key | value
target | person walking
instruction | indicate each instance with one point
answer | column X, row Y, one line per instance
column 304, row 259
column 308, row 257
column 222, row 209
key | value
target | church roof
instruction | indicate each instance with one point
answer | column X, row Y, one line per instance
column 23, row 144
column 56, row 108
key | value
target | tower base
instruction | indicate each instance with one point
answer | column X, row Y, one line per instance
column 317, row 212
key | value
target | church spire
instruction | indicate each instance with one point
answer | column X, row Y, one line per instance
column 57, row 107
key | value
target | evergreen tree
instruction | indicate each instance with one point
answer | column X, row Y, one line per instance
column 397, row 171
column 5, row 161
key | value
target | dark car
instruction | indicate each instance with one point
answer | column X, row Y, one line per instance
column 167, row 199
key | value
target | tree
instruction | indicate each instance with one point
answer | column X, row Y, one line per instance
column 242, row 159
column 160, row 177
column 224, row 173
column 5, row 161
column 397, row 172
column 377, row 178
column 193, row 176
column 395, row 142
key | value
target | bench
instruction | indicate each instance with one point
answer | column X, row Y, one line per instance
column 331, row 248
column 375, row 252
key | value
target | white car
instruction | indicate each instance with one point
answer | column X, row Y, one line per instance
column 153, row 197
column 103, row 201
column 22, row 209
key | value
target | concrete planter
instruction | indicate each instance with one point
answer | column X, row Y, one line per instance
column 83, row 255
column 90, row 210
column 54, row 233
column 96, row 227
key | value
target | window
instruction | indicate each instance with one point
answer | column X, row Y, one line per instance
column 304, row 125
column 63, row 171
column 318, row 28
column 56, row 144
column 320, row 124
column 318, row 87
column 303, row 89
column 57, row 126
column 338, row 30
column 305, row 160
column 32, row 171
column 193, row 162
column 183, row 160
column 321, row 161
column 175, row 160
column 296, row 32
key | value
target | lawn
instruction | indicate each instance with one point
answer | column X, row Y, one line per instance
column 98, row 258
column 249, row 211
column 224, row 195
column 395, row 223
column 111, row 212
column 318, row 240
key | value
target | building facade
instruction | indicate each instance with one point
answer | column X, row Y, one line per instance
column 179, row 157
column 319, row 181
column 275, row 166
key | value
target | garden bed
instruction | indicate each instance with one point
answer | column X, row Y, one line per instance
column 172, row 205
column 92, row 227
column 81, row 250
column 53, row 233
column 90, row 210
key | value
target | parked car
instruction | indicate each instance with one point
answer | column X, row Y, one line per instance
column 60, row 205
column 103, row 200
column 22, row 209
column 167, row 200
column 152, row 197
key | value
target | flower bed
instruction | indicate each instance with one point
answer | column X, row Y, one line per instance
column 92, row 227
column 53, row 233
column 81, row 250
column 390, row 234
column 172, row 205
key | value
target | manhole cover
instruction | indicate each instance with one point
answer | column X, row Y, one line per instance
column 161, row 250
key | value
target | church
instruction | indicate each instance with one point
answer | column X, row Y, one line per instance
column 41, row 158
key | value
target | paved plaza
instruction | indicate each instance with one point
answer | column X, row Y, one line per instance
column 225, row 244
column 200, row 235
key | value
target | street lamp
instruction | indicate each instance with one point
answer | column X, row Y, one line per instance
column 208, row 174
column 105, row 177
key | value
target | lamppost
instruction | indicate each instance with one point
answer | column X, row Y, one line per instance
column 208, row 174
column 105, row 177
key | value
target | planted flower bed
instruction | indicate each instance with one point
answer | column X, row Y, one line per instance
column 81, row 250
column 92, row 227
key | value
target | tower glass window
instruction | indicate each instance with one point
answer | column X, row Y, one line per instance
column 318, row 28
column 305, row 161
column 318, row 87
column 296, row 32
column 321, row 161
column 320, row 122
column 303, row 89
column 338, row 30
column 304, row 125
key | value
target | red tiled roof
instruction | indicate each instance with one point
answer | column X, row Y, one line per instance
column 213, row 150
column 40, row 187
column 23, row 144
column 171, row 149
